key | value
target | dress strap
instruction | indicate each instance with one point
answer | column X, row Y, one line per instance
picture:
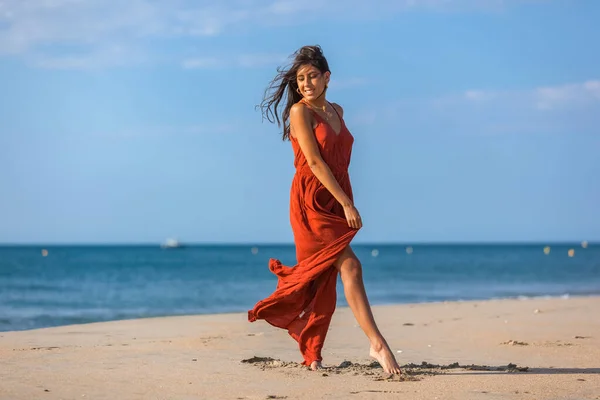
column 336, row 111
column 312, row 110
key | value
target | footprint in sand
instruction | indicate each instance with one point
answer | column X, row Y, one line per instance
column 410, row 372
column 542, row 344
column 38, row 348
column 557, row 343
column 376, row 391
column 209, row 339
column 563, row 344
column 515, row 343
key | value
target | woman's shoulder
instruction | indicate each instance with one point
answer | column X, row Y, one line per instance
column 298, row 108
column 338, row 108
column 300, row 113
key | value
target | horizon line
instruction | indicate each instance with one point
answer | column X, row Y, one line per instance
column 255, row 244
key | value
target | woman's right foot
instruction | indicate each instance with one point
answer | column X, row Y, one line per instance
column 382, row 353
column 316, row 365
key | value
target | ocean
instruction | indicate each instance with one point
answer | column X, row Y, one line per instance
column 44, row 286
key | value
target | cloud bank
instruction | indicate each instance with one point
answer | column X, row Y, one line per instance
column 105, row 33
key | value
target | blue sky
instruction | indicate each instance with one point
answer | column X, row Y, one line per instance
column 474, row 121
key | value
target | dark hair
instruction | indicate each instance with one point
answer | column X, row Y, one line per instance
column 286, row 81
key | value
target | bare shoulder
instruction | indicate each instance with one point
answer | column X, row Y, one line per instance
column 338, row 108
column 300, row 119
column 299, row 110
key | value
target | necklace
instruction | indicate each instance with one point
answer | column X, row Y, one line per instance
column 328, row 114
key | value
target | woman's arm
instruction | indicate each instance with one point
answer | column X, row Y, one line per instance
column 300, row 128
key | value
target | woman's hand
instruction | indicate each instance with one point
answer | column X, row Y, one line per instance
column 353, row 217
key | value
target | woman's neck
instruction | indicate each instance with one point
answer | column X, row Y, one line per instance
column 319, row 102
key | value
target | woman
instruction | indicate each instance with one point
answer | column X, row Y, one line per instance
column 323, row 216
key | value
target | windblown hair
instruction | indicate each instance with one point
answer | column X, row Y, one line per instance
column 285, row 81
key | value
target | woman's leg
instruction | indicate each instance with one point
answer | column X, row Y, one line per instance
column 356, row 296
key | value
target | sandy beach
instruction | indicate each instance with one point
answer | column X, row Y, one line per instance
column 498, row 349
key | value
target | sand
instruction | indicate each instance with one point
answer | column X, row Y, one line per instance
column 498, row 349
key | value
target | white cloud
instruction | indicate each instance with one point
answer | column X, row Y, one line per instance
column 202, row 62
column 284, row 7
column 110, row 56
column 478, row 95
column 145, row 132
column 542, row 98
column 244, row 61
column 563, row 108
column 260, row 60
column 593, row 87
column 567, row 95
column 48, row 29
column 348, row 83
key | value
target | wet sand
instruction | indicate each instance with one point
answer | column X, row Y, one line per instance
column 499, row 349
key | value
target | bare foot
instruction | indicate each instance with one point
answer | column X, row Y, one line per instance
column 315, row 365
column 385, row 357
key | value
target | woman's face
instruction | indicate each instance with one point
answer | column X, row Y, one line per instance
column 311, row 81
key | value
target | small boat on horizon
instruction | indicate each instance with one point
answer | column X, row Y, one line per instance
column 171, row 244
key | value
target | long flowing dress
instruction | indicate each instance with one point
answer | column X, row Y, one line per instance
column 305, row 297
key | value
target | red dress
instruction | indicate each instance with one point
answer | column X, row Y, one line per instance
column 305, row 298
